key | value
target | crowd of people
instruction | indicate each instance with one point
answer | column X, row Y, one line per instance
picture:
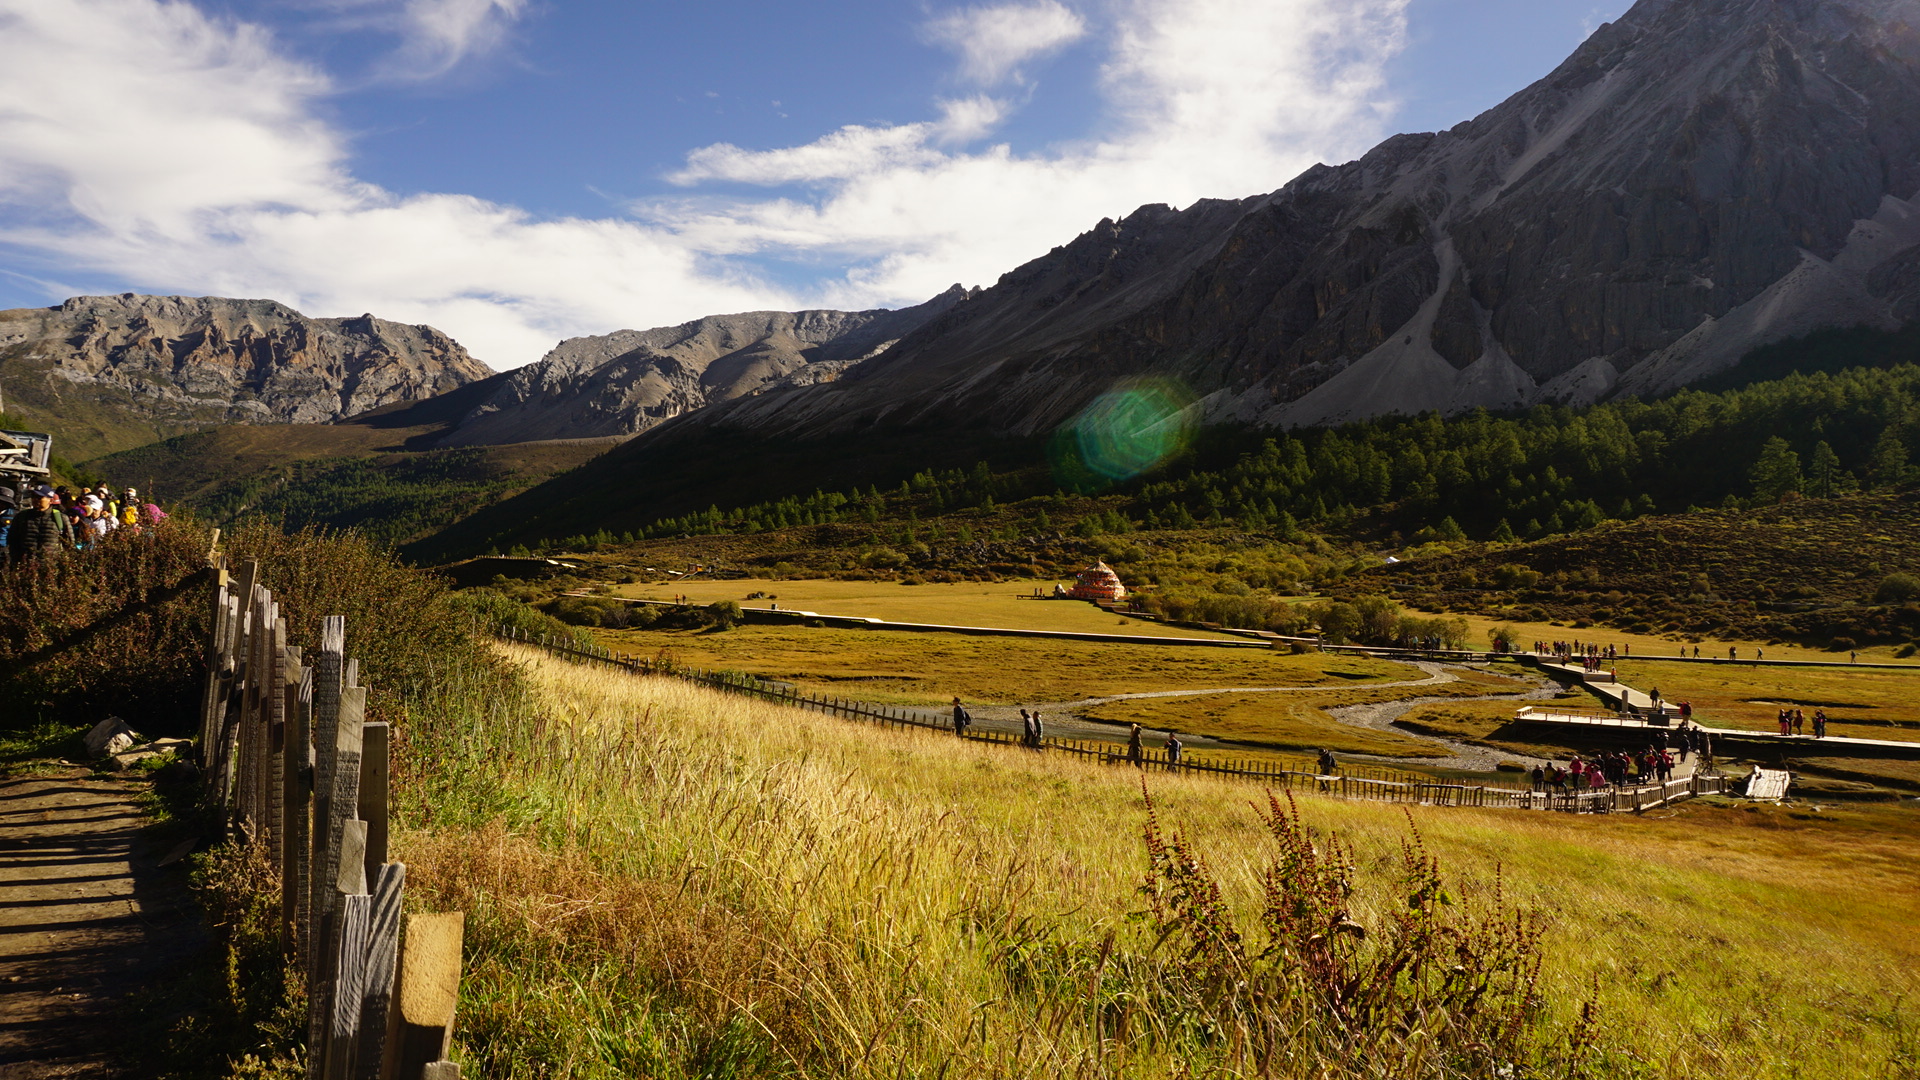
column 40, row 521
column 1593, row 657
column 1794, row 722
column 1655, row 764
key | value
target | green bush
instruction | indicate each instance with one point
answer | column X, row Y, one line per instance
column 724, row 615
column 490, row 608
column 1897, row 588
column 143, row 659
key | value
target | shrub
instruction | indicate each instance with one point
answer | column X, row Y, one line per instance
column 882, row 558
column 1897, row 588
column 724, row 615
column 1433, row 971
column 491, row 608
column 141, row 658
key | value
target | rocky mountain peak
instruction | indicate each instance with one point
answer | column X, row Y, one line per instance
column 626, row 382
column 166, row 363
column 1695, row 180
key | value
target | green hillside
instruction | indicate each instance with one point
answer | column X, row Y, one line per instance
column 1843, row 571
column 1542, row 472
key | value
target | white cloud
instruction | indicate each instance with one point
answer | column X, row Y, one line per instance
column 994, row 41
column 440, row 33
column 150, row 143
column 1211, row 98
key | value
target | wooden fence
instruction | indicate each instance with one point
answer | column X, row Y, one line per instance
column 1355, row 781
column 292, row 763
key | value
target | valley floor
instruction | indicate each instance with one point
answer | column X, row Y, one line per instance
column 656, row 875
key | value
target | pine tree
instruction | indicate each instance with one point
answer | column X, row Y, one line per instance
column 1777, row 472
column 1825, row 477
column 1287, row 527
column 1449, row 529
column 1503, row 533
column 1888, row 465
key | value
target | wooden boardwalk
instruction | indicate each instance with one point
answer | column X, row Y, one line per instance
column 1768, row 783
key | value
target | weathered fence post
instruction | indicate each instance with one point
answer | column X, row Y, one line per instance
column 420, row 1030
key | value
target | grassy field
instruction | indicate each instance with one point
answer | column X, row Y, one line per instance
column 970, row 603
column 664, row 882
column 903, row 668
column 1728, row 695
column 1295, row 721
column 1658, row 645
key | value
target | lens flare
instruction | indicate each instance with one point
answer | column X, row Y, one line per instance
column 1123, row 433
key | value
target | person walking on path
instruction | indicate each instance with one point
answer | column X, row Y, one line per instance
column 1173, row 749
column 1039, row 731
column 962, row 720
column 1819, row 723
column 1135, row 752
column 39, row 532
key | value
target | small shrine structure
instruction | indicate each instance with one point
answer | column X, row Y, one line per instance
column 1098, row 583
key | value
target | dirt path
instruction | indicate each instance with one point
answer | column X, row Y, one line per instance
column 87, row 918
column 1064, row 718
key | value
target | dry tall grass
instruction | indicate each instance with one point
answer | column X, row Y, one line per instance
column 662, row 881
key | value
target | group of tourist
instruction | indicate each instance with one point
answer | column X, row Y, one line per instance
column 42, row 522
column 1654, row 764
column 1031, row 729
column 1593, row 656
column 1794, row 722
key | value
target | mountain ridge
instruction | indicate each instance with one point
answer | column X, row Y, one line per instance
column 630, row 381
column 110, row 372
column 1692, row 182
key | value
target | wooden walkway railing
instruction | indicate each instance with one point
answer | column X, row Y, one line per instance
column 291, row 762
column 1356, row 782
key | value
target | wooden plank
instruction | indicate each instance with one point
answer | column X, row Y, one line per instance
column 296, row 800
column 276, row 741
column 215, row 657
column 383, row 957
column 374, row 766
column 349, row 988
column 351, row 879
column 345, row 801
column 421, row 1028
column 327, row 665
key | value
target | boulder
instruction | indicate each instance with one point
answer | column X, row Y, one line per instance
column 108, row 737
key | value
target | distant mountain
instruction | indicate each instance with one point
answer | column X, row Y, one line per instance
column 110, row 372
column 1697, row 179
column 632, row 380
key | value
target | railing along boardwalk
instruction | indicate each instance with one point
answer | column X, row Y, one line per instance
column 292, row 763
column 1372, row 783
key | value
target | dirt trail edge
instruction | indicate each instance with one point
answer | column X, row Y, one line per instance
column 87, row 918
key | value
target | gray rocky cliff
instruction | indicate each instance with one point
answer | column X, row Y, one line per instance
column 626, row 382
column 1697, row 179
column 194, row 360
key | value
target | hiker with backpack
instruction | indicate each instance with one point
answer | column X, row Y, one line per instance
column 40, row 532
column 962, row 720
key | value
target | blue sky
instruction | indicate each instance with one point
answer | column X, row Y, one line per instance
column 516, row 171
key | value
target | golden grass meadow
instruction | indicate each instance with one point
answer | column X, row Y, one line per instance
column 662, row 881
